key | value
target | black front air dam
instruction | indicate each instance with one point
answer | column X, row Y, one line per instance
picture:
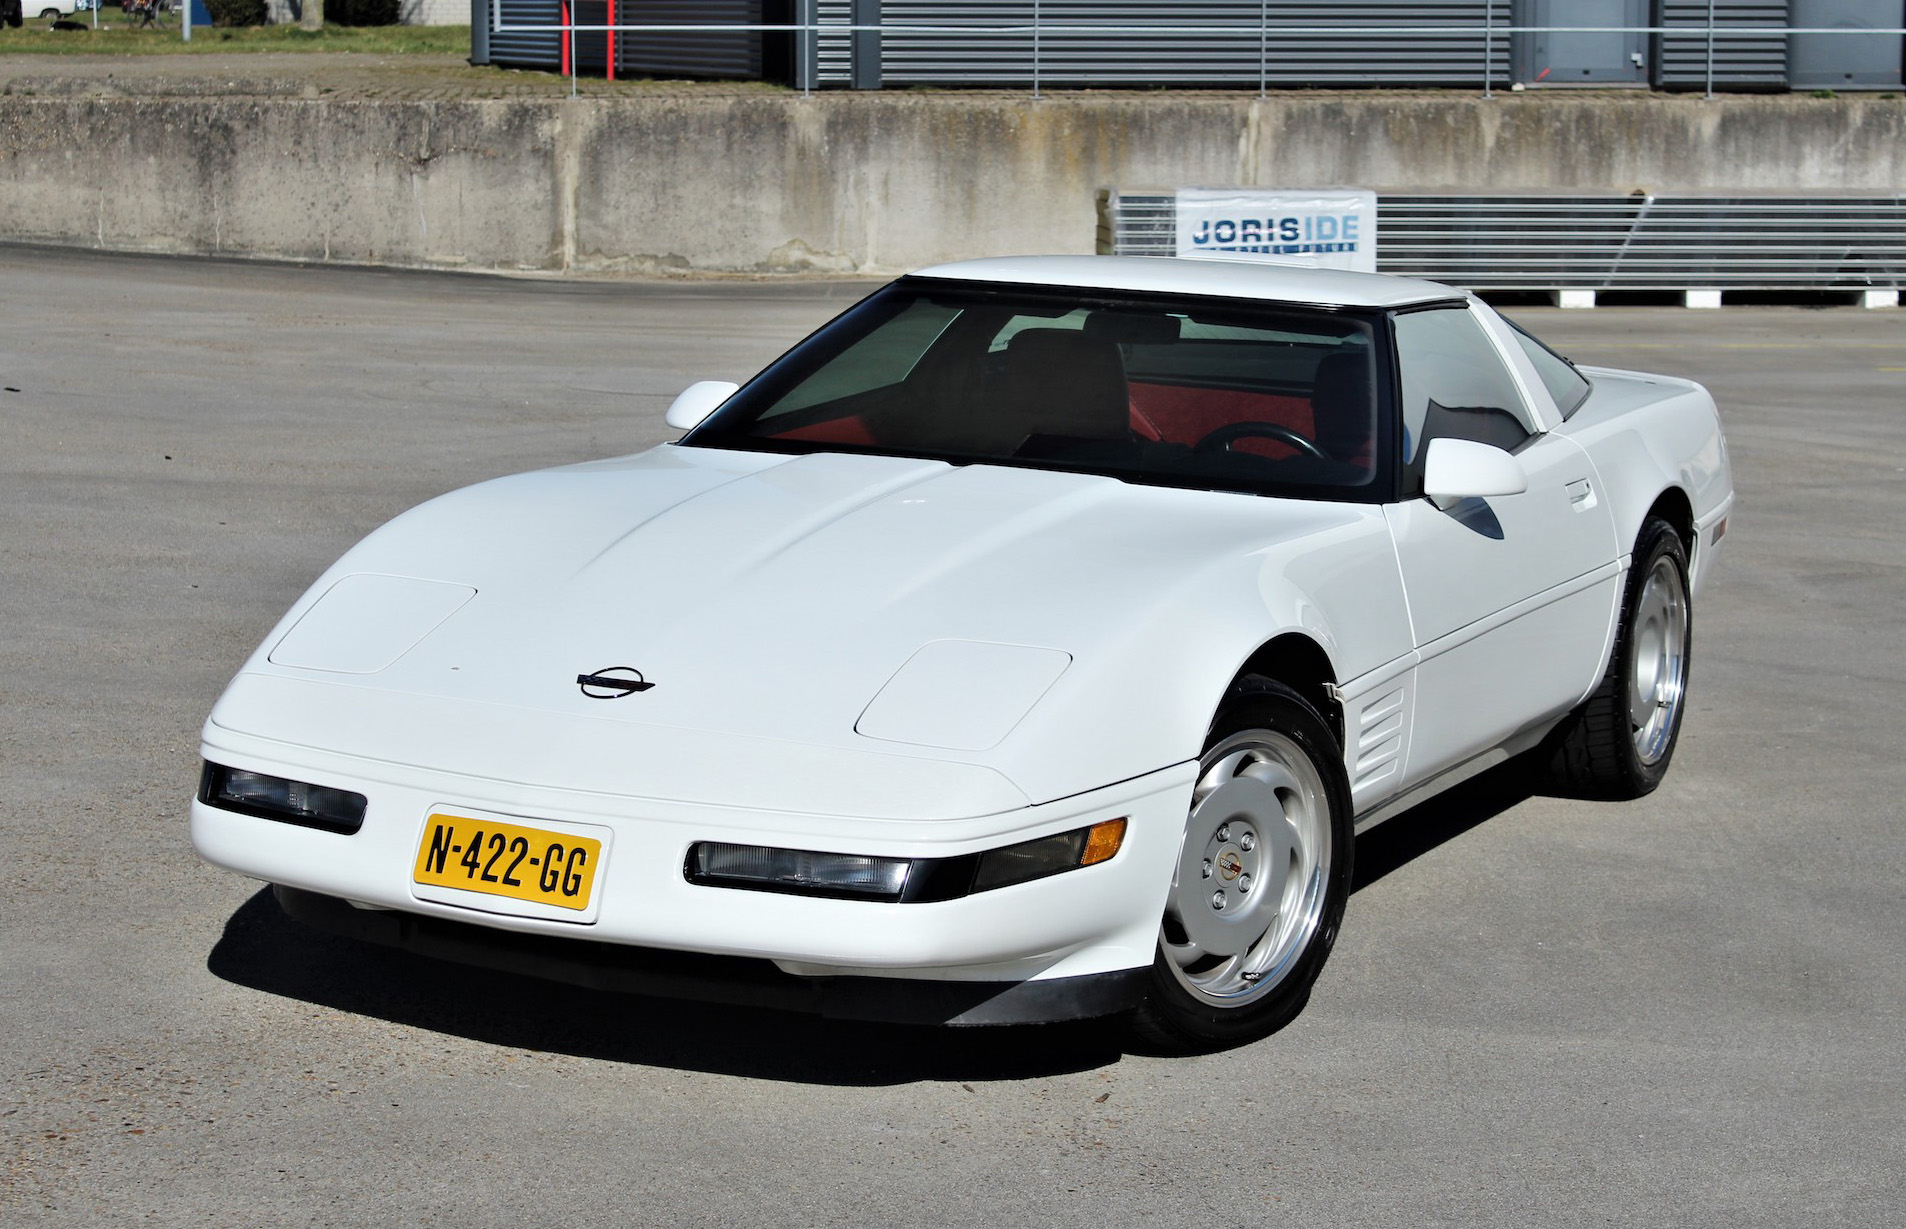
column 734, row 980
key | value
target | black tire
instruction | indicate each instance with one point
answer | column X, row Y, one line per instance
column 1271, row 812
column 1618, row 744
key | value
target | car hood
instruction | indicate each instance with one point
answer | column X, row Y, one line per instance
column 765, row 598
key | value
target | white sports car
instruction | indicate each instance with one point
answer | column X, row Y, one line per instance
column 1029, row 643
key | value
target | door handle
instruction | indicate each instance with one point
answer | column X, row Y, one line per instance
column 1581, row 494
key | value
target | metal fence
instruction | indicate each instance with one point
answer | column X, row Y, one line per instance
column 1584, row 242
column 1041, row 44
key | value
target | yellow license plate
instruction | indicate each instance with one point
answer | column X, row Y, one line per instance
column 513, row 860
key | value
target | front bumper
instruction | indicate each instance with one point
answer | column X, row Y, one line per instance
column 1100, row 919
column 732, row 980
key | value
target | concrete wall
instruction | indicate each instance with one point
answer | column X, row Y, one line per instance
column 838, row 182
column 435, row 12
column 409, row 12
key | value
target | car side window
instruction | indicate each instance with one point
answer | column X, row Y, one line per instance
column 1568, row 386
column 1454, row 383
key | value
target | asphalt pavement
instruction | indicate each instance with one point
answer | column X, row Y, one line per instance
column 1683, row 1010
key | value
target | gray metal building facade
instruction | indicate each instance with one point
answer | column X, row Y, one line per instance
column 1282, row 44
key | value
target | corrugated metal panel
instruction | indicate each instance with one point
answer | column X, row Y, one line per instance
column 691, row 55
column 1599, row 242
column 1739, row 59
column 1187, row 43
column 833, row 49
column 1216, row 42
column 527, row 49
column 1138, row 224
column 712, row 54
column 1644, row 243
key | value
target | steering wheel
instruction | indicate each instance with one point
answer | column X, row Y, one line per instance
column 1222, row 439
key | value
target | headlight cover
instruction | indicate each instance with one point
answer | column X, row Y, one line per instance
column 961, row 695
column 365, row 622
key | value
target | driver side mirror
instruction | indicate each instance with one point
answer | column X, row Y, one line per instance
column 696, row 402
column 1459, row 469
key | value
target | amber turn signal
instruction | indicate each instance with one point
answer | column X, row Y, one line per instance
column 1102, row 841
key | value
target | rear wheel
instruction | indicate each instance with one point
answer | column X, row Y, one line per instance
column 1261, row 880
column 1619, row 742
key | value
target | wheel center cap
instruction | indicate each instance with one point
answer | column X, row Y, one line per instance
column 1230, row 865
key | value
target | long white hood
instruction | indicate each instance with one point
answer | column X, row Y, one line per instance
column 769, row 599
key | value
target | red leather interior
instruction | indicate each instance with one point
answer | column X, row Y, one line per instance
column 849, row 430
column 1159, row 412
column 1186, row 415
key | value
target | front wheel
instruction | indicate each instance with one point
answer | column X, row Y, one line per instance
column 1261, row 880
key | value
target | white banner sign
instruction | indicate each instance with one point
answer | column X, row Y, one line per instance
column 1317, row 229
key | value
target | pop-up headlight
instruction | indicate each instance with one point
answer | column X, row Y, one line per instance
column 292, row 802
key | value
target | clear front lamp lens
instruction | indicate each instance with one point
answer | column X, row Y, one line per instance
column 1029, row 860
column 799, row 870
column 269, row 797
column 1049, row 855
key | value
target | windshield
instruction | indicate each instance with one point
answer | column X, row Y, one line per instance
column 1220, row 394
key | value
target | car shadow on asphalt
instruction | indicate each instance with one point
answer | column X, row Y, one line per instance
column 1396, row 843
column 265, row 950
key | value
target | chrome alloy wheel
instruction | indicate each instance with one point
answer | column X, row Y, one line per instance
column 1253, row 872
column 1659, row 660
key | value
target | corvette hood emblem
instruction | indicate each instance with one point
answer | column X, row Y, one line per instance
column 613, row 683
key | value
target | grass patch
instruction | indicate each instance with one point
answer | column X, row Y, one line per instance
column 115, row 36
